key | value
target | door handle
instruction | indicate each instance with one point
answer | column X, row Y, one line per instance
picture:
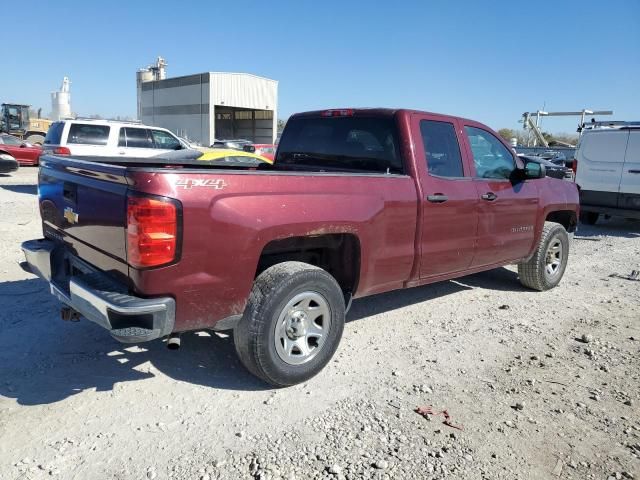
column 437, row 198
column 121, row 152
column 634, row 171
column 70, row 191
column 489, row 196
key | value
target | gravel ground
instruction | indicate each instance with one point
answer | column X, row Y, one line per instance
column 540, row 385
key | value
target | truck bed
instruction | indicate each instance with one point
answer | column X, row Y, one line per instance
column 229, row 217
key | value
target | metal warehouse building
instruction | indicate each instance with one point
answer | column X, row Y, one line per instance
column 210, row 105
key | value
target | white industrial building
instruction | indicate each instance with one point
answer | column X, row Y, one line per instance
column 206, row 106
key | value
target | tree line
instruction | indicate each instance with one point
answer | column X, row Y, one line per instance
column 525, row 137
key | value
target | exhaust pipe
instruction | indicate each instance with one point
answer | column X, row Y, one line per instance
column 68, row 314
column 174, row 341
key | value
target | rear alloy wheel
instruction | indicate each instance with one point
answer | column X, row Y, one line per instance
column 302, row 328
column 292, row 323
column 545, row 268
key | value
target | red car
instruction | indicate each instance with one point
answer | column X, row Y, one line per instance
column 265, row 150
column 357, row 202
column 24, row 153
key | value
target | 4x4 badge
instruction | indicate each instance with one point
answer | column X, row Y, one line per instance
column 188, row 183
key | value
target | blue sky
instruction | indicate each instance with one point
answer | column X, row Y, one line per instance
column 487, row 60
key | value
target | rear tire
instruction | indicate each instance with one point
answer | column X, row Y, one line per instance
column 545, row 269
column 292, row 323
column 589, row 218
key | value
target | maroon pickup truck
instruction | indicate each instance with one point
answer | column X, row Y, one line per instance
column 357, row 202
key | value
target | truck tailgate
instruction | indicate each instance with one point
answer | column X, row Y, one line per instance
column 85, row 206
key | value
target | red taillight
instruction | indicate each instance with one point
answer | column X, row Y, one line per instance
column 345, row 112
column 152, row 232
column 574, row 166
column 61, row 151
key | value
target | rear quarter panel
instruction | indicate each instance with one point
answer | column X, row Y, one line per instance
column 231, row 218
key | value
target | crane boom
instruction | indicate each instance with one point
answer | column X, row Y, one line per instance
column 529, row 124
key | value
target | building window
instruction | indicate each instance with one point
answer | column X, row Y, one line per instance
column 243, row 114
column 263, row 114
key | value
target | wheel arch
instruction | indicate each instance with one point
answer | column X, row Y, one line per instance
column 567, row 218
column 337, row 253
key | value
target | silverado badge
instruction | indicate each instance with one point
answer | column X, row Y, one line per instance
column 70, row 216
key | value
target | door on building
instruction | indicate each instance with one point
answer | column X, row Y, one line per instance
column 224, row 125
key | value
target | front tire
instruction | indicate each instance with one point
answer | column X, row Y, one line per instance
column 292, row 323
column 545, row 269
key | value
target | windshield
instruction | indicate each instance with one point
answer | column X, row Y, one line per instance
column 353, row 144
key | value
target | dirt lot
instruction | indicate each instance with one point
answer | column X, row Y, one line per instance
column 542, row 385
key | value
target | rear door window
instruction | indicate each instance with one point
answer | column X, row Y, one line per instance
column 88, row 134
column 491, row 158
column 350, row 143
column 165, row 140
column 138, row 138
column 441, row 149
column 54, row 134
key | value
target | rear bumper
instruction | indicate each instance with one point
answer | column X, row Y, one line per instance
column 97, row 297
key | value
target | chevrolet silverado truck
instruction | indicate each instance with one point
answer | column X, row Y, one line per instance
column 357, row 202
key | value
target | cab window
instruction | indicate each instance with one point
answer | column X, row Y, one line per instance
column 342, row 143
column 441, row 149
column 491, row 158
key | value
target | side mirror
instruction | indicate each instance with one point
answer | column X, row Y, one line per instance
column 534, row 170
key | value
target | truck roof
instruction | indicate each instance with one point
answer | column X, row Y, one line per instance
column 378, row 112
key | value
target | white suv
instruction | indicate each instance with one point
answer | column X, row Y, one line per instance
column 107, row 138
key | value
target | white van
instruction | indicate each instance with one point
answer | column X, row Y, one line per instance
column 608, row 171
column 107, row 138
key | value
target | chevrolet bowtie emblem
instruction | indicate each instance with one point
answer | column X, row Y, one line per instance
column 70, row 215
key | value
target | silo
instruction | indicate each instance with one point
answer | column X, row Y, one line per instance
column 61, row 101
